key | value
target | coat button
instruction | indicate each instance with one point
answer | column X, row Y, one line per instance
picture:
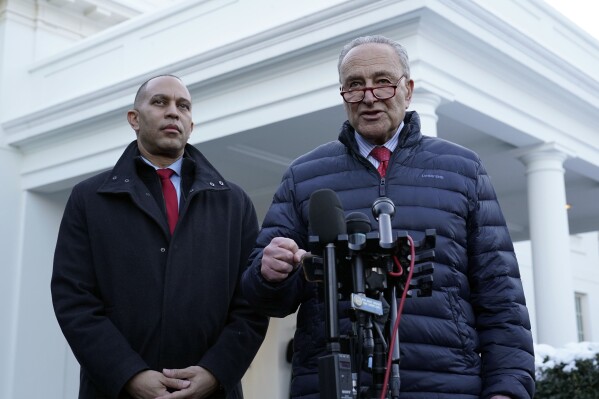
column 114, row 177
column 162, row 249
column 221, row 183
column 212, row 184
column 126, row 180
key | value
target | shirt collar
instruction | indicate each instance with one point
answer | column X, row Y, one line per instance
column 175, row 166
column 366, row 146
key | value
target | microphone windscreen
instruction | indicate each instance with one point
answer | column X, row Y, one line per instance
column 383, row 205
column 357, row 222
column 326, row 215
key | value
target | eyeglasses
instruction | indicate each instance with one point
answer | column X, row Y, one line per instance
column 380, row 92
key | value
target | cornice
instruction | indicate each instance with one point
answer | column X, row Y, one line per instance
column 531, row 45
column 467, row 22
column 550, row 150
column 245, row 56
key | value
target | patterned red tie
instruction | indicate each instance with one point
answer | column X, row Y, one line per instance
column 170, row 197
column 381, row 154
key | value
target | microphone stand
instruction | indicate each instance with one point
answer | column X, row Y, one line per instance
column 363, row 323
column 375, row 289
column 330, row 292
column 335, row 380
column 383, row 328
column 394, row 382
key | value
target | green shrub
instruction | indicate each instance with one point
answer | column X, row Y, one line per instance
column 571, row 372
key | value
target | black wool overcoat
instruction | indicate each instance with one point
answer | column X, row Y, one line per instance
column 130, row 297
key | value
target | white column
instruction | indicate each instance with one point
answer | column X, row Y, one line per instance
column 10, row 238
column 36, row 330
column 425, row 103
column 550, row 242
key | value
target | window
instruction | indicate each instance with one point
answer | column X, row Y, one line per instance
column 581, row 316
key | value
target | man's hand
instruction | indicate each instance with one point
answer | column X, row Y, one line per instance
column 202, row 383
column 149, row 384
column 280, row 258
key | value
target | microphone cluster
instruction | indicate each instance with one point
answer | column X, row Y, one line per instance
column 373, row 267
column 352, row 235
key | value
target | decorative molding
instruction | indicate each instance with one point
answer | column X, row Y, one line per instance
column 261, row 155
column 548, row 151
column 464, row 24
column 281, row 43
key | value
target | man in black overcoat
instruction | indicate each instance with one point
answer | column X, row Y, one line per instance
column 146, row 271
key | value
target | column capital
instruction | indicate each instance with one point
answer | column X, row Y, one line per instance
column 545, row 151
column 426, row 88
column 426, row 102
column 426, row 97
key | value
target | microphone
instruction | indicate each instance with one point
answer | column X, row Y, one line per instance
column 327, row 222
column 383, row 210
column 357, row 223
column 326, row 215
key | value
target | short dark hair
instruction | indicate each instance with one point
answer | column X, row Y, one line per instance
column 142, row 88
column 399, row 49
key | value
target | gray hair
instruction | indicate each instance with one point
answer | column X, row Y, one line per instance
column 399, row 49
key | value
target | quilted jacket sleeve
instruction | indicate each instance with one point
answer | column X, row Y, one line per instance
column 283, row 219
column 498, row 299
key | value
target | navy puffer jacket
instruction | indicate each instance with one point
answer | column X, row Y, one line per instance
column 471, row 338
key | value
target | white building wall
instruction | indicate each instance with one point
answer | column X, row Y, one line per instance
column 38, row 83
column 38, row 335
column 584, row 267
column 11, row 212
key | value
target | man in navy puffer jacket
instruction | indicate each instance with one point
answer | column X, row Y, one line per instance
column 471, row 338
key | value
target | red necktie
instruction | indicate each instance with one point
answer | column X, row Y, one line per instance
column 381, row 154
column 170, row 197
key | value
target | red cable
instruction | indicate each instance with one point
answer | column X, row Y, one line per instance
column 400, row 272
column 399, row 311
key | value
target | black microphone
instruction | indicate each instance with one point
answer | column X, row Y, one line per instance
column 326, row 215
column 327, row 222
column 357, row 223
column 383, row 210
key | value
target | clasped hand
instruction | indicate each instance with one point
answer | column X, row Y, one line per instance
column 190, row 383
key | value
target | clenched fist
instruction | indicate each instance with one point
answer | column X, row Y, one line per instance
column 280, row 258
